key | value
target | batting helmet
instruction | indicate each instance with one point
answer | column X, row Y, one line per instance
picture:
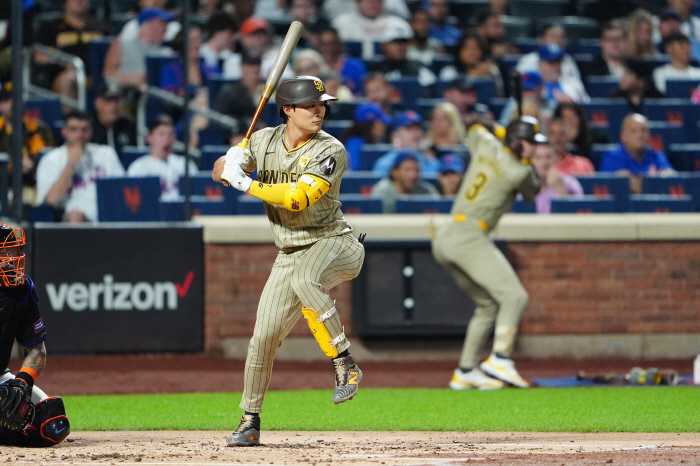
column 11, row 258
column 525, row 127
column 302, row 90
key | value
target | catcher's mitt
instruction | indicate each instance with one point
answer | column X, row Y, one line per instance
column 16, row 407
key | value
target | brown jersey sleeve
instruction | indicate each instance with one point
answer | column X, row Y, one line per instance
column 530, row 185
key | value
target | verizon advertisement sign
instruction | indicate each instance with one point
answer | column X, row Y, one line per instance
column 120, row 289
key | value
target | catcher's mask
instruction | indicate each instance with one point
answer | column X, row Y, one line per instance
column 11, row 257
column 302, row 90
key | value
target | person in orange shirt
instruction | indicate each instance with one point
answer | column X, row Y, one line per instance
column 566, row 162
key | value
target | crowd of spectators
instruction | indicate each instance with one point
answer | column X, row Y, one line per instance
column 364, row 51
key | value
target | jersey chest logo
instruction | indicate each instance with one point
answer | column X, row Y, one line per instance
column 304, row 161
column 328, row 166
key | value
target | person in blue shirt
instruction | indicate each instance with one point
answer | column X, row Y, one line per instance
column 634, row 157
column 370, row 127
column 440, row 28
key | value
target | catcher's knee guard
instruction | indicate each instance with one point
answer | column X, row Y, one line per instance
column 320, row 332
column 50, row 422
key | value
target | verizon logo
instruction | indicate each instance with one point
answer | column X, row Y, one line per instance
column 117, row 296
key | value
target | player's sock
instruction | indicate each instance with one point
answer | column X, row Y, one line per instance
column 464, row 370
column 501, row 355
column 344, row 354
column 252, row 414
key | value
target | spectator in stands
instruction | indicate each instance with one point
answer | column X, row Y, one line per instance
column 306, row 12
column 395, row 63
column 677, row 46
column 445, row 131
column 557, row 86
column 422, row 47
column 257, row 38
column 492, row 35
column 440, row 28
column 407, row 136
column 451, row 174
column 238, row 99
column 352, row 70
column 500, row 7
column 636, row 84
column 308, row 62
column 565, row 161
column 403, row 180
column 634, row 157
column 331, row 80
column 612, row 49
column 125, row 62
column 222, row 29
column 160, row 161
column 461, row 93
column 66, row 177
column 335, row 8
column 130, row 30
column 551, row 34
column 367, row 25
column 378, row 90
column 172, row 76
column 370, row 127
column 533, row 91
column 554, row 184
column 37, row 137
column 639, row 34
column 470, row 59
column 579, row 134
column 71, row 34
column 682, row 12
column 606, row 10
column 110, row 126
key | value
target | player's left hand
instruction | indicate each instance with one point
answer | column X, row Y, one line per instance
column 16, row 407
column 237, row 154
column 235, row 176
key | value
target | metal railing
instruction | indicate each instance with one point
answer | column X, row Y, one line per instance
column 61, row 57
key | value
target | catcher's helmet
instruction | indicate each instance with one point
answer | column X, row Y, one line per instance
column 11, row 258
column 302, row 90
column 525, row 127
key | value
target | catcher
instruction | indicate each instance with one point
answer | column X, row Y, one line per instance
column 27, row 416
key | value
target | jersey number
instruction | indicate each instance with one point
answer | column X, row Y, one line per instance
column 477, row 186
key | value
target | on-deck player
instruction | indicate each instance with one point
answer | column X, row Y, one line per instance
column 299, row 171
column 495, row 175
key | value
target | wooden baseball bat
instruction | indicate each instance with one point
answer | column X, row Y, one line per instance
column 517, row 88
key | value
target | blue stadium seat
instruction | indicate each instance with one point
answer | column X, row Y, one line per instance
column 675, row 186
column 663, row 134
column 154, row 65
column 584, row 205
column 463, row 10
column 131, row 153
column 497, row 105
column 215, row 83
column 423, row 205
column 359, row 204
column 522, row 207
column 535, row 9
column 249, row 205
column 204, row 187
column 336, row 127
column 210, row 154
column 660, row 203
column 410, row 91
column 606, row 186
column 370, row 153
column 517, row 26
column 343, row 110
column 684, row 157
column 213, row 135
column 270, row 115
column 97, row 49
column 597, row 151
column 591, row 46
column 439, row 63
column 576, row 27
column 675, row 111
column 353, row 48
column 128, row 199
column 681, row 88
column 607, row 115
column 46, row 109
column 359, row 182
column 426, row 106
column 174, row 210
column 601, row 86
column 527, row 44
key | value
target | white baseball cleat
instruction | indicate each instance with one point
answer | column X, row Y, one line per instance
column 503, row 369
column 473, row 379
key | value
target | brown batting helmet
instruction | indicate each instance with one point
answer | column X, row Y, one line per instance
column 302, row 90
column 525, row 127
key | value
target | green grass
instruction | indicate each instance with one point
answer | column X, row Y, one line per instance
column 624, row 409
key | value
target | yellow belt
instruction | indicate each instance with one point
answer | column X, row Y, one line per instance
column 459, row 218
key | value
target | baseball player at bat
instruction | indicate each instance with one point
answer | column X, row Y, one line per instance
column 299, row 172
column 497, row 172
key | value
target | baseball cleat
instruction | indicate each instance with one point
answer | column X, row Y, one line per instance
column 246, row 434
column 347, row 379
column 473, row 379
column 503, row 369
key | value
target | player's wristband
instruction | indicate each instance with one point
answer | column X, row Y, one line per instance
column 27, row 374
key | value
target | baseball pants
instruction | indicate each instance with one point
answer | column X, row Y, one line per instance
column 484, row 273
column 302, row 278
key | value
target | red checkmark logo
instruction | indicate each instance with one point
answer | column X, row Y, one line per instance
column 183, row 288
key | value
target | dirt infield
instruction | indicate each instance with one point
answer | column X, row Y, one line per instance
column 366, row 448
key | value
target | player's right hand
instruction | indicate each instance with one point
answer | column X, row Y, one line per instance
column 234, row 176
column 237, row 155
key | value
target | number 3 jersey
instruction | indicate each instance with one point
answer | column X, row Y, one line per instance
column 493, row 179
column 322, row 156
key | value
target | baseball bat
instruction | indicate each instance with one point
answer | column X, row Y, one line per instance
column 288, row 45
column 517, row 88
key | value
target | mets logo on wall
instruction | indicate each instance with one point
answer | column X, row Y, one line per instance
column 319, row 85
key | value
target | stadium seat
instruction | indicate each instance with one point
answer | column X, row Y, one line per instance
column 213, row 135
column 591, row 46
column 131, row 153
column 676, row 111
column 606, row 186
column 370, row 153
column 601, row 86
column 597, row 151
column 203, row 186
column 607, row 115
column 154, row 65
column 46, row 109
column 583, row 205
column 674, row 186
column 485, row 89
column 663, row 134
column 353, row 48
column 215, row 83
column 270, row 115
column 128, row 199
column 497, row 105
column 97, row 49
column 359, row 182
column 522, row 207
column 535, row 9
column 439, row 63
column 342, row 110
column 684, row 157
column 426, row 106
column 576, row 27
column 423, row 205
column 660, row 203
column 210, row 154
column 174, row 210
column 527, row 44
column 505, row 63
column 681, row 88
column 464, row 10
column 336, row 127
column 249, row 205
column 409, row 90
column 359, row 204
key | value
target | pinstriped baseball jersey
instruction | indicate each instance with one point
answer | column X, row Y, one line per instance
column 493, row 179
column 322, row 156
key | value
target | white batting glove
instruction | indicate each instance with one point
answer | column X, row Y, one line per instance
column 237, row 155
column 235, row 177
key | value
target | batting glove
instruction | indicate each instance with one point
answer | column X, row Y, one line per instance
column 235, row 176
column 237, row 155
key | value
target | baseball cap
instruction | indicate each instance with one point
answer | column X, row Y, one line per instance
column 451, row 163
column 5, row 91
column 408, row 118
column 108, row 92
column 371, row 112
column 399, row 30
column 531, row 81
column 461, row 83
column 254, row 23
column 148, row 14
column 669, row 13
column 402, row 157
column 550, row 52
